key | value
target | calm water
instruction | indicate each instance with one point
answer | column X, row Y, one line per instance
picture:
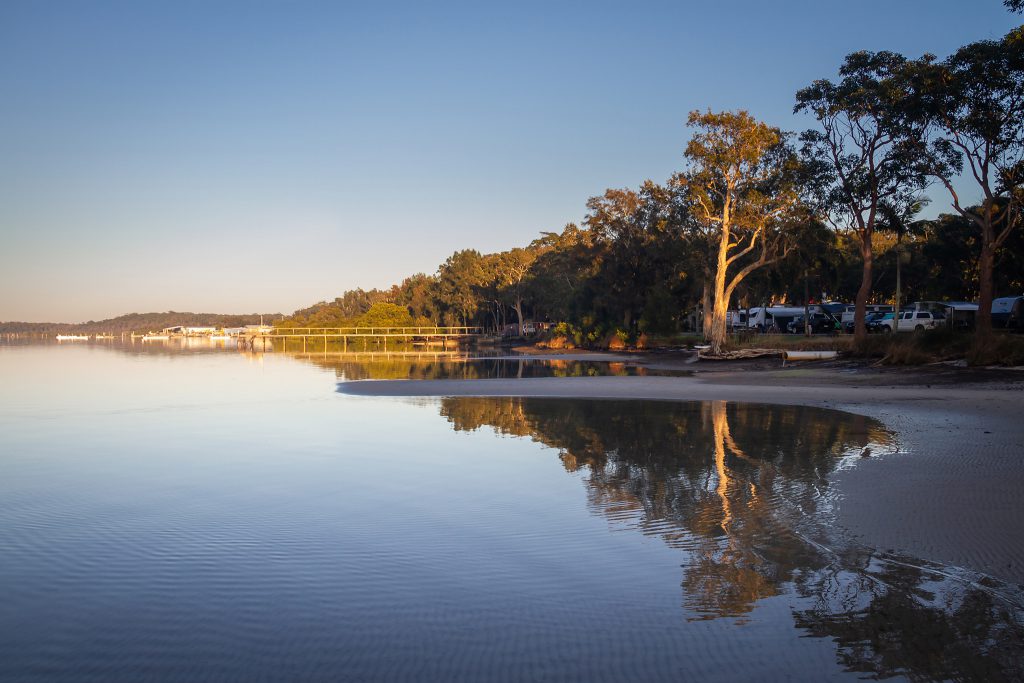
column 223, row 516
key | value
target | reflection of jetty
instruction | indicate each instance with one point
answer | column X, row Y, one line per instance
column 418, row 336
column 371, row 356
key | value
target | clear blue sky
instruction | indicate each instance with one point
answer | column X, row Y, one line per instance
column 233, row 157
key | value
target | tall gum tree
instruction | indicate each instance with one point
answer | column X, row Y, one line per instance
column 966, row 117
column 513, row 270
column 741, row 180
column 860, row 164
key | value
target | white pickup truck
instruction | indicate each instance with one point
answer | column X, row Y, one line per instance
column 913, row 321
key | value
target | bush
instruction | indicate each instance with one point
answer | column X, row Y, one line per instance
column 1001, row 349
column 616, row 341
column 934, row 346
column 562, row 336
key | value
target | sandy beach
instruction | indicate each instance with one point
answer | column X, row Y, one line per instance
column 953, row 494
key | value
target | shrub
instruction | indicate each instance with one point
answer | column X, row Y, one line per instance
column 1001, row 349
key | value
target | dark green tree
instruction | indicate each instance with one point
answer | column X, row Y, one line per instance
column 966, row 116
column 860, row 164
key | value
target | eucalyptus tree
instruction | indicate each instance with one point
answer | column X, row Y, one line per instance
column 459, row 278
column 630, row 227
column 612, row 219
column 861, row 164
column 741, row 178
column 966, row 117
column 512, row 271
column 560, row 275
column 419, row 293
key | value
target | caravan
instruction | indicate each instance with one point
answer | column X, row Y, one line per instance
column 1008, row 313
column 776, row 318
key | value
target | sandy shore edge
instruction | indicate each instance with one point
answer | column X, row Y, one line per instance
column 955, row 494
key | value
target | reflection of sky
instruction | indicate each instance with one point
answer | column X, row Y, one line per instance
column 156, row 509
column 160, row 156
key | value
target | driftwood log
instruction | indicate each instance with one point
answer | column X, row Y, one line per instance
column 739, row 354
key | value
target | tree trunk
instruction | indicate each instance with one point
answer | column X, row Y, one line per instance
column 983, row 319
column 899, row 259
column 518, row 306
column 807, row 305
column 716, row 336
column 705, row 305
column 860, row 330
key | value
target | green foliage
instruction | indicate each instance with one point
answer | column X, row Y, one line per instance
column 384, row 314
column 338, row 313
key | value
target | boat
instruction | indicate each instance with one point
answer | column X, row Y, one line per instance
column 156, row 337
column 72, row 337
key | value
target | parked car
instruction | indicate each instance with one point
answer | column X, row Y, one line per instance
column 871, row 322
column 850, row 309
column 821, row 323
column 913, row 321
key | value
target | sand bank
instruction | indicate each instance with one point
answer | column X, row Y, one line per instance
column 955, row 494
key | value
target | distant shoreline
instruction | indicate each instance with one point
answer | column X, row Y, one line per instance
column 953, row 497
column 137, row 322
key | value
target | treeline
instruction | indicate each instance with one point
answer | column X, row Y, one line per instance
column 140, row 322
column 760, row 215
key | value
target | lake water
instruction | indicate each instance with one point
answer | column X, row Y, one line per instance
column 225, row 516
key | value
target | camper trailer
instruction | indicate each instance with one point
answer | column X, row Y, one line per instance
column 736, row 320
column 958, row 315
column 1008, row 313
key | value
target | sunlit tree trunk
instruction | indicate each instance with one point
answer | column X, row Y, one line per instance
column 716, row 334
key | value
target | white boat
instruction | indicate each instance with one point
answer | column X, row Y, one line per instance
column 104, row 336
column 156, row 337
column 72, row 337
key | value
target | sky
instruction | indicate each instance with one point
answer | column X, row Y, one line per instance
column 263, row 156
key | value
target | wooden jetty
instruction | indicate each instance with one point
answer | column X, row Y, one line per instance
column 300, row 336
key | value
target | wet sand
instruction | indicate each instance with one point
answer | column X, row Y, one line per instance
column 955, row 492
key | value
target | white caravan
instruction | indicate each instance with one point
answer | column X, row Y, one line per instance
column 762, row 318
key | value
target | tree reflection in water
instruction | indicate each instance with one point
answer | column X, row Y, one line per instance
column 741, row 490
column 361, row 366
